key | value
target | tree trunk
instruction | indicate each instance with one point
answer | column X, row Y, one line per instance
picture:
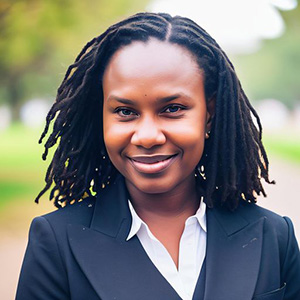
column 15, row 97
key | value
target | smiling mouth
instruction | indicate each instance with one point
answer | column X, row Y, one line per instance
column 152, row 164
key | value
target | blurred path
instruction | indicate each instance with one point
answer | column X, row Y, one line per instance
column 15, row 220
column 11, row 255
column 282, row 198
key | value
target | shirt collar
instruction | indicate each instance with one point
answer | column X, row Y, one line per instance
column 201, row 215
column 137, row 222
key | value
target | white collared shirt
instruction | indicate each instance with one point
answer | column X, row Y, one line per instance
column 192, row 249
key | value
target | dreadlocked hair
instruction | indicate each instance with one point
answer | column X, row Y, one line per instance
column 234, row 160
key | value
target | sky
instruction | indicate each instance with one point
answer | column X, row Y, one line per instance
column 239, row 26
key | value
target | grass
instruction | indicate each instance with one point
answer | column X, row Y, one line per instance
column 21, row 168
column 10, row 190
column 22, row 174
column 285, row 147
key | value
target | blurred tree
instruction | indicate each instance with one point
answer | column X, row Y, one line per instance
column 39, row 38
column 273, row 72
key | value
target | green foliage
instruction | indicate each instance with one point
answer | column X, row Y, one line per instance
column 40, row 38
column 273, row 72
column 15, row 190
column 285, row 147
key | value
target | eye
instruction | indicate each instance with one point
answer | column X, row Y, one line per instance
column 174, row 108
column 125, row 112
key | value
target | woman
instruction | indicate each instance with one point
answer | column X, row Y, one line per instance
column 157, row 169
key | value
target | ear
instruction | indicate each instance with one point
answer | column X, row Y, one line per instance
column 210, row 112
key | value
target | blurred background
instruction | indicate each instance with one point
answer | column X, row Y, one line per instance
column 39, row 39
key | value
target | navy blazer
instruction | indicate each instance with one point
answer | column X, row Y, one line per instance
column 80, row 252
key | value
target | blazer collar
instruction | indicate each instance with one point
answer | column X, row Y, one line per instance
column 232, row 259
column 111, row 210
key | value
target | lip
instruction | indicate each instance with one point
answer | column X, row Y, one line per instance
column 152, row 164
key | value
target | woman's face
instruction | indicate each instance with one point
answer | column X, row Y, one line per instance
column 154, row 115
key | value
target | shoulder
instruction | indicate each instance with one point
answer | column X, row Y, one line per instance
column 77, row 213
column 278, row 230
column 253, row 210
column 275, row 227
column 250, row 213
column 49, row 231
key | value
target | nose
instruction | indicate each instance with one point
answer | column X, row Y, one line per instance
column 148, row 134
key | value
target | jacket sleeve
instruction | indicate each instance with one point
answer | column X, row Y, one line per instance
column 291, row 265
column 43, row 275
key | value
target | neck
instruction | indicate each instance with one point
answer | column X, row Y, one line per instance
column 183, row 200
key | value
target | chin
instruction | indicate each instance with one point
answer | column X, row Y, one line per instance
column 155, row 186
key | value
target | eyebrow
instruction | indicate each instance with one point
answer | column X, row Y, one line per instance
column 159, row 100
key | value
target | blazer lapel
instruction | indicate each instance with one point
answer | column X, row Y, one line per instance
column 116, row 268
column 233, row 255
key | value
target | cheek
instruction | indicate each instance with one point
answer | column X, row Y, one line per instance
column 190, row 137
column 116, row 135
column 193, row 144
column 189, row 132
column 193, row 151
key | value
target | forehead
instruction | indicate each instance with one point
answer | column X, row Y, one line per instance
column 151, row 59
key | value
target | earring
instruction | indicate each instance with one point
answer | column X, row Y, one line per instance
column 207, row 135
column 201, row 172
